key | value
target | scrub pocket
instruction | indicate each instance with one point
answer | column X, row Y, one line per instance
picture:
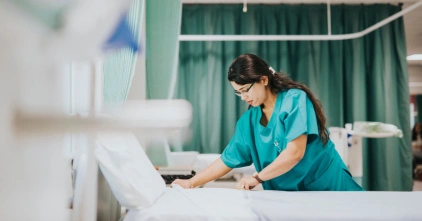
column 335, row 178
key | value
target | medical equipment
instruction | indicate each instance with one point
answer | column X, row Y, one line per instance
column 170, row 165
column 348, row 142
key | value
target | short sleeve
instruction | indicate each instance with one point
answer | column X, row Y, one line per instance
column 237, row 152
column 301, row 117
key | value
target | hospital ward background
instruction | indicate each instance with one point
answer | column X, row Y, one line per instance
column 105, row 103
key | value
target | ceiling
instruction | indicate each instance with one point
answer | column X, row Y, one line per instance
column 413, row 29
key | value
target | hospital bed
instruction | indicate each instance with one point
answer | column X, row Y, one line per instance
column 232, row 204
column 165, row 203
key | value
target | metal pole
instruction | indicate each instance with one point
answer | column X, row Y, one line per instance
column 298, row 37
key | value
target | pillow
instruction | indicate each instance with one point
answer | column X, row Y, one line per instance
column 132, row 178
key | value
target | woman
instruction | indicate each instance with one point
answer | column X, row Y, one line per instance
column 283, row 134
column 417, row 137
column 416, row 147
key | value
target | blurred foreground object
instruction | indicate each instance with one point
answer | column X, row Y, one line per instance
column 37, row 39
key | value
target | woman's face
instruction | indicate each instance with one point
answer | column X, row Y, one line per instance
column 254, row 93
column 418, row 128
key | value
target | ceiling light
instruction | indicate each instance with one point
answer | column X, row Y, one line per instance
column 414, row 57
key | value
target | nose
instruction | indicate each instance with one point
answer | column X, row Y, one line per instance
column 243, row 96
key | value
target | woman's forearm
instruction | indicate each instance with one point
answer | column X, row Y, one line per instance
column 214, row 171
column 287, row 159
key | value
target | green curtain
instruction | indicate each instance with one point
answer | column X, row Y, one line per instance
column 119, row 66
column 162, row 46
column 364, row 79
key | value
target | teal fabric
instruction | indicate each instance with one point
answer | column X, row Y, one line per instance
column 119, row 66
column 364, row 79
column 293, row 115
column 162, row 46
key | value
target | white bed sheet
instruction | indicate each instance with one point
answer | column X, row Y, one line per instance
column 232, row 204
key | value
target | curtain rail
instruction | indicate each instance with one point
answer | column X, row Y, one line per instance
column 328, row 37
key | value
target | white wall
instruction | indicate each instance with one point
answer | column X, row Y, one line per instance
column 137, row 89
column 81, row 87
column 415, row 78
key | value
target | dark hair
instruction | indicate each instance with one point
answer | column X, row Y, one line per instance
column 249, row 68
column 414, row 133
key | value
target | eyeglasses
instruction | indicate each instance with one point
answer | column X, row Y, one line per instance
column 239, row 93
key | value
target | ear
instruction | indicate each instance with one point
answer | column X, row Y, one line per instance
column 264, row 80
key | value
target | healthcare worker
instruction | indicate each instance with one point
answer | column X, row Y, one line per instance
column 283, row 134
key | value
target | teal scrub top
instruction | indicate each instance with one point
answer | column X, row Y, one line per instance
column 321, row 168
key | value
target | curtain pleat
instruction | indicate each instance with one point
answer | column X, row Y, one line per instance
column 162, row 46
column 119, row 66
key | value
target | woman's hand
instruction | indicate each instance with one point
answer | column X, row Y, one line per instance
column 185, row 184
column 247, row 183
